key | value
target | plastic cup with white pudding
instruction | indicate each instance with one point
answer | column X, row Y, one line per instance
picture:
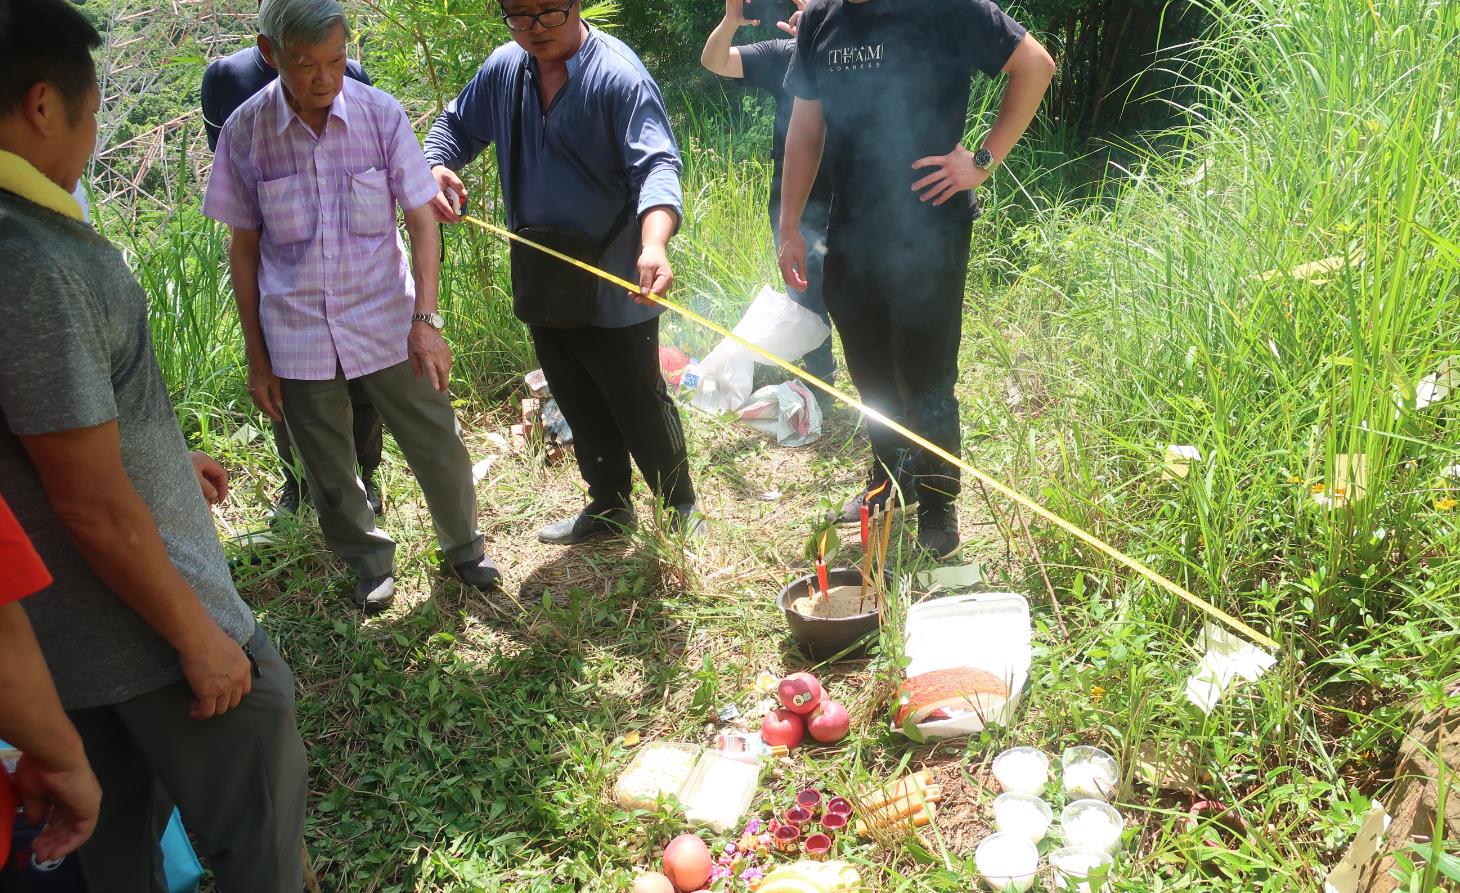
column 1092, row 825
column 1023, row 815
column 1022, row 770
column 1073, row 867
column 1007, row 862
column 1089, row 772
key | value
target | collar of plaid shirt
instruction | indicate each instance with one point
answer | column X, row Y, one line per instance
column 339, row 109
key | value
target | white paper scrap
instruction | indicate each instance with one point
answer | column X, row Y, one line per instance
column 479, row 470
column 1344, row 878
column 1438, row 385
column 1228, row 658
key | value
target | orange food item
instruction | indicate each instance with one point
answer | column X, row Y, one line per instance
column 956, row 690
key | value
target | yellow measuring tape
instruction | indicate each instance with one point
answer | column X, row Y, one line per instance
column 1008, row 492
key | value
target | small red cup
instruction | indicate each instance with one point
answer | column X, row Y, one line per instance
column 810, row 799
column 818, row 846
column 788, row 838
column 839, row 806
column 798, row 816
column 832, row 822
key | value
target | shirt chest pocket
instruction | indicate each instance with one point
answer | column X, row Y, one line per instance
column 288, row 215
column 371, row 208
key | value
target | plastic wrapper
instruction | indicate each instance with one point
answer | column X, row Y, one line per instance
column 774, row 323
column 787, row 411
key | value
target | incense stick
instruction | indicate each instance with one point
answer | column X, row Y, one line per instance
column 881, row 582
column 867, row 549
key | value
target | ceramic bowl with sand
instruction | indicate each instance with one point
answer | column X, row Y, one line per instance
column 1022, row 770
column 847, row 619
column 1089, row 772
column 1007, row 862
column 1092, row 825
column 1023, row 815
column 1073, row 868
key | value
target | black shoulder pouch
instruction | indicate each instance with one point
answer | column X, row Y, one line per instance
column 545, row 290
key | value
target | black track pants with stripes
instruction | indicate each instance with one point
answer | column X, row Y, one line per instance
column 608, row 385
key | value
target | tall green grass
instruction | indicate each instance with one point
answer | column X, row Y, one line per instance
column 1186, row 312
column 1184, row 315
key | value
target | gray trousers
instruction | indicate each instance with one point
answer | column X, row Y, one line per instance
column 320, row 421
column 239, row 781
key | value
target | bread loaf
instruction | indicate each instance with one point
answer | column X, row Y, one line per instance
column 955, row 690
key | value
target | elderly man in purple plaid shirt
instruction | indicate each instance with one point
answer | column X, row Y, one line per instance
column 308, row 174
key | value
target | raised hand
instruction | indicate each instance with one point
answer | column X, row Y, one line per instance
column 735, row 14
column 791, row 25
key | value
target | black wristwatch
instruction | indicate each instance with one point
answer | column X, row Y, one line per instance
column 434, row 320
column 984, row 158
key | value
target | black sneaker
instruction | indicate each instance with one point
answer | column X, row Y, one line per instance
column 687, row 521
column 878, row 496
column 375, row 594
column 483, row 574
column 587, row 524
column 372, row 494
column 286, row 505
column 938, row 529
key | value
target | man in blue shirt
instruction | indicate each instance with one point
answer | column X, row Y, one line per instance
column 596, row 156
column 227, row 84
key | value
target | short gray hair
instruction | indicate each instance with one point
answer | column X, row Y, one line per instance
column 286, row 22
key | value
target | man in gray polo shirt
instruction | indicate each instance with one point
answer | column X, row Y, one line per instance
column 178, row 695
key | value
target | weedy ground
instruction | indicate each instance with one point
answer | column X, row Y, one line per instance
column 1275, row 282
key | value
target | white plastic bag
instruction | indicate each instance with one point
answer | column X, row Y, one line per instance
column 786, row 411
column 774, row 323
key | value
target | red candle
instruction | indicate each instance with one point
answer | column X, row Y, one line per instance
column 821, row 578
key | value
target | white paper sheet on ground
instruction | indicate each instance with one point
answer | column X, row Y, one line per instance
column 787, row 411
column 1179, row 459
column 1226, row 660
column 479, row 470
column 1438, row 385
column 1344, row 878
column 774, row 323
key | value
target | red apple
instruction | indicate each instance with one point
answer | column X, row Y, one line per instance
column 652, row 882
column 687, row 862
column 800, row 693
column 782, row 727
column 830, row 723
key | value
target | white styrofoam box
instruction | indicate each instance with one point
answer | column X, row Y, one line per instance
column 988, row 631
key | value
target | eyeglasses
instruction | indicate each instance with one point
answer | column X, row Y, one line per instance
column 548, row 19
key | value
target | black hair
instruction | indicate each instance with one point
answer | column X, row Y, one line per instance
column 46, row 41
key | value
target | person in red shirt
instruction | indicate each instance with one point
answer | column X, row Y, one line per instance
column 53, row 780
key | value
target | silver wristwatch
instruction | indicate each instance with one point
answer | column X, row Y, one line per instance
column 984, row 158
column 434, row 320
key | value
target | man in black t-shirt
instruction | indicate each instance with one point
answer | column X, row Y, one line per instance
column 884, row 86
column 227, row 84
column 762, row 66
